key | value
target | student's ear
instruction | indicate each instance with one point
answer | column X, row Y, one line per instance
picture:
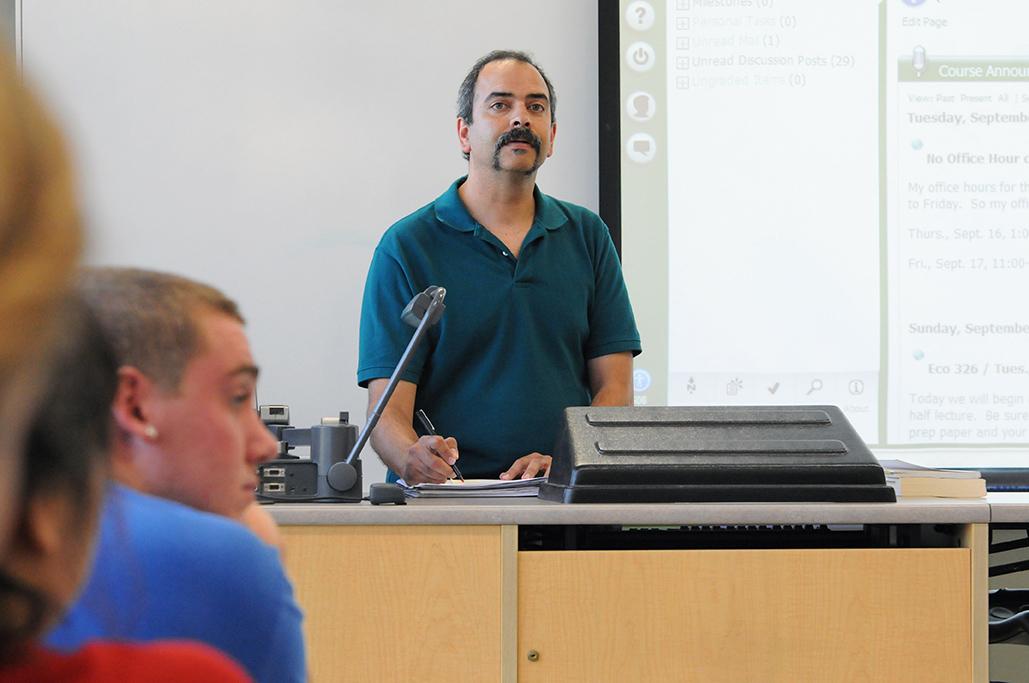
column 131, row 398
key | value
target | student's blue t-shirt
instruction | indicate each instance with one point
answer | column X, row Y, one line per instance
column 164, row 570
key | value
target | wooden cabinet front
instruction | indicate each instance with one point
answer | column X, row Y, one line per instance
column 746, row 615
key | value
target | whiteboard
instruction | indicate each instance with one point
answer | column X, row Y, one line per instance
column 264, row 146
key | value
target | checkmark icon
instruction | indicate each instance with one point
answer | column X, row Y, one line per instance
column 774, row 388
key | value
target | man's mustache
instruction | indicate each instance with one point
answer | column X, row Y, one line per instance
column 520, row 135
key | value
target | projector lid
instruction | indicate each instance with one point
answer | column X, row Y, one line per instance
column 712, row 453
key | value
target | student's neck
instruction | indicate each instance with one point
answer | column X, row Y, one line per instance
column 123, row 469
column 500, row 200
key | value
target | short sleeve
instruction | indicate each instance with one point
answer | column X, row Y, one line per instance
column 612, row 324
column 383, row 335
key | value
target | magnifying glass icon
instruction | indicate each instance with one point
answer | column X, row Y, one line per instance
column 816, row 385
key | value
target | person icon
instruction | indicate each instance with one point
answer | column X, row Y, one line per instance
column 641, row 106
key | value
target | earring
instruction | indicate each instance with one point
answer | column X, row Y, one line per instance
column 150, row 432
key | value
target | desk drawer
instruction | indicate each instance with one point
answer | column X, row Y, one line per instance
column 399, row 603
column 746, row 615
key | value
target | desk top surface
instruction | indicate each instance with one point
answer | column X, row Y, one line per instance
column 534, row 511
column 1009, row 507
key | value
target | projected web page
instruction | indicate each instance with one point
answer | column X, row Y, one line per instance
column 958, row 160
column 829, row 203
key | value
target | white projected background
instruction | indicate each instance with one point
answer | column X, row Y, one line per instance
column 848, row 215
column 264, row 146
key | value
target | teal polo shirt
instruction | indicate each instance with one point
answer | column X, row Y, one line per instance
column 510, row 352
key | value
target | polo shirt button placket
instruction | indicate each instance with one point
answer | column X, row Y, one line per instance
column 509, row 261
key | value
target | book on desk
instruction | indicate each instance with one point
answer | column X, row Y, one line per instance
column 915, row 481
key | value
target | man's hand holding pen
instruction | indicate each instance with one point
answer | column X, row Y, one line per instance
column 430, row 430
column 429, row 460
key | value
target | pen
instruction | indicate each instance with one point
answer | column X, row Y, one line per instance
column 427, row 425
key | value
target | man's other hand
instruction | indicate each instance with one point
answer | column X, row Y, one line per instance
column 528, row 466
column 428, row 460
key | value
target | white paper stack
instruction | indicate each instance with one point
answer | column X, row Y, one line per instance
column 475, row 488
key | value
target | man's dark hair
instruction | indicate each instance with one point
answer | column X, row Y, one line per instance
column 466, row 93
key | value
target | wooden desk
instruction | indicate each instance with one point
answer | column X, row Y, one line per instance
column 1009, row 508
column 440, row 591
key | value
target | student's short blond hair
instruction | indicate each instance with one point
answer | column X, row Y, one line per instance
column 40, row 236
column 151, row 317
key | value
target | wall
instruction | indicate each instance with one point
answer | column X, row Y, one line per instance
column 7, row 24
column 265, row 146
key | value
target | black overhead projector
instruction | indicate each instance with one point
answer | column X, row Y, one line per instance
column 712, row 454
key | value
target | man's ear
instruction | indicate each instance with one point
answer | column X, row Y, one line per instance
column 553, row 136
column 462, row 135
column 131, row 400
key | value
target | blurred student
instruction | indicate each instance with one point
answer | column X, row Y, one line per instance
column 65, row 474
column 173, row 560
column 39, row 245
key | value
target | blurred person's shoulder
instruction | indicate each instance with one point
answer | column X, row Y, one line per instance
column 168, row 533
column 155, row 662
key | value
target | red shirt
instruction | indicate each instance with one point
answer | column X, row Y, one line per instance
column 156, row 662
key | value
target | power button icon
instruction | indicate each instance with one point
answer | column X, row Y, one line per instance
column 640, row 56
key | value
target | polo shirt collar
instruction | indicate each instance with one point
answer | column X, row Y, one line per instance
column 451, row 211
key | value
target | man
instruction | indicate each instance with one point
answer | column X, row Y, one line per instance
column 173, row 559
column 537, row 316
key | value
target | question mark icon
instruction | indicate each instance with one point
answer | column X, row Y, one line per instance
column 639, row 15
